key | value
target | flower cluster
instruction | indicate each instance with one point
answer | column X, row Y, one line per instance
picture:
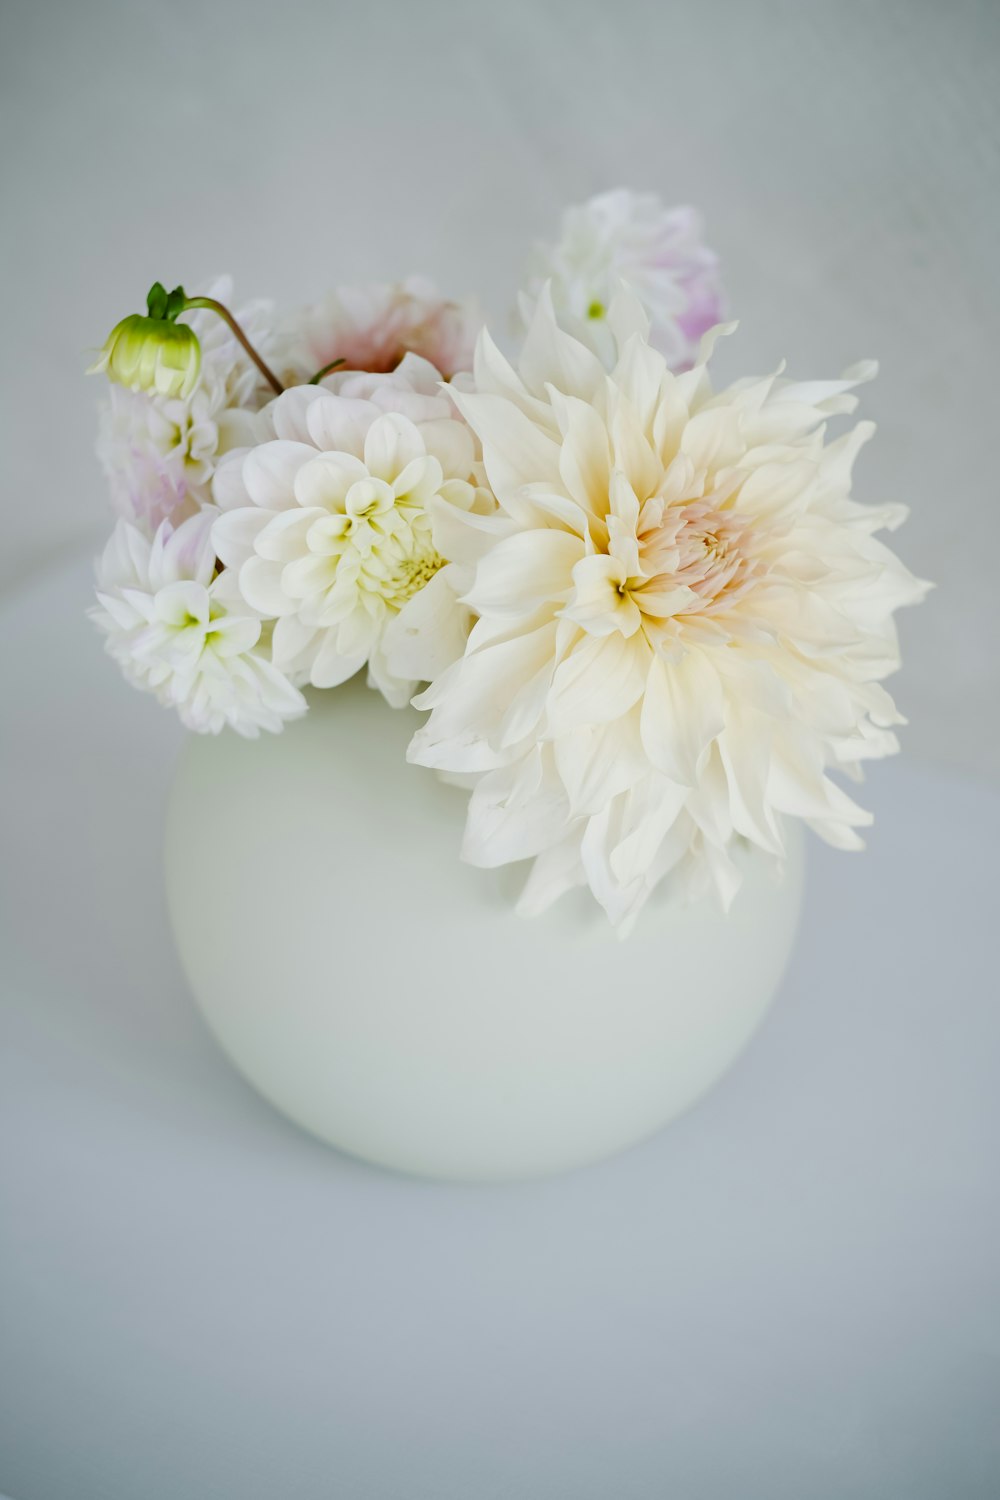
column 644, row 616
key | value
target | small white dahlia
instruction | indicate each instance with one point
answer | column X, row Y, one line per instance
column 683, row 619
column 337, row 525
column 180, row 629
column 372, row 327
column 630, row 239
column 159, row 453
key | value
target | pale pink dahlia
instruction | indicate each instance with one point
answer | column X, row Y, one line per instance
column 630, row 239
column 372, row 328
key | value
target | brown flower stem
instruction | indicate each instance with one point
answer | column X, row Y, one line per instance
column 223, row 312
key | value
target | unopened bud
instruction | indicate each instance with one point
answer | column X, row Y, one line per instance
column 153, row 353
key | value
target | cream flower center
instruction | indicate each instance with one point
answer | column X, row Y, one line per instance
column 663, row 563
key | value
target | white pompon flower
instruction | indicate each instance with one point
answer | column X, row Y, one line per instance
column 372, row 327
column 630, row 239
column 684, row 619
column 159, row 453
column 338, row 525
column 180, row 630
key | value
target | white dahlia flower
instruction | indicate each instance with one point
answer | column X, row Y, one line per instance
column 338, row 522
column 684, row 619
column 159, row 453
column 182, row 631
column 630, row 239
column 372, row 327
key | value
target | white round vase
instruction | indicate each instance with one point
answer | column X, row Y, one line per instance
column 386, row 996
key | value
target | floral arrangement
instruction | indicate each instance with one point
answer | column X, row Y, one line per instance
column 645, row 616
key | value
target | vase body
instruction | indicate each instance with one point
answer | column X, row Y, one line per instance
column 387, row 998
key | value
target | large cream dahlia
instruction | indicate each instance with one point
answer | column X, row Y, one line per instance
column 337, row 521
column 630, row 239
column 180, row 629
column 158, row 452
column 684, row 619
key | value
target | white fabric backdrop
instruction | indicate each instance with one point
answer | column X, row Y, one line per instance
column 846, row 158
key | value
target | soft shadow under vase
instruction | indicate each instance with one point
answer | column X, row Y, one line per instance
column 386, row 997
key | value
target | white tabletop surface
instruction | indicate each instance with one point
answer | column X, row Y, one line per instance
column 792, row 1292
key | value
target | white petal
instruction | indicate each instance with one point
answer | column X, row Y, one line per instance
column 260, row 585
column 235, row 533
column 391, row 443
column 269, row 472
column 682, row 713
column 599, row 681
column 524, row 571
column 516, row 451
column 329, row 668
column 429, row 633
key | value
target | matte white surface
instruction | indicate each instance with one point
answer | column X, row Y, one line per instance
column 387, row 997
column 790, row 1294
column 846, row 156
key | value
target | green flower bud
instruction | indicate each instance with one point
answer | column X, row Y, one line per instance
column 152, row 354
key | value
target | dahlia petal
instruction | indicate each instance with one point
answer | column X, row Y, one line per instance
column 323, row 482
column 514, row 813
column 554, row 872
column 261, row 586
column 682, row 712
column 451, row 443
column 282, row 537
column 523, row 570
column 228, row 490
column 338, row 424
column 269, row 472
column 429, row 633
column 599, row 681
column 329, row 668
column 550, row 356
column 234, row 635
column 585, row 458
column 392, row 442
column 235, row 534
column 292, row 640
column 289, row 413
column 515, row 450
